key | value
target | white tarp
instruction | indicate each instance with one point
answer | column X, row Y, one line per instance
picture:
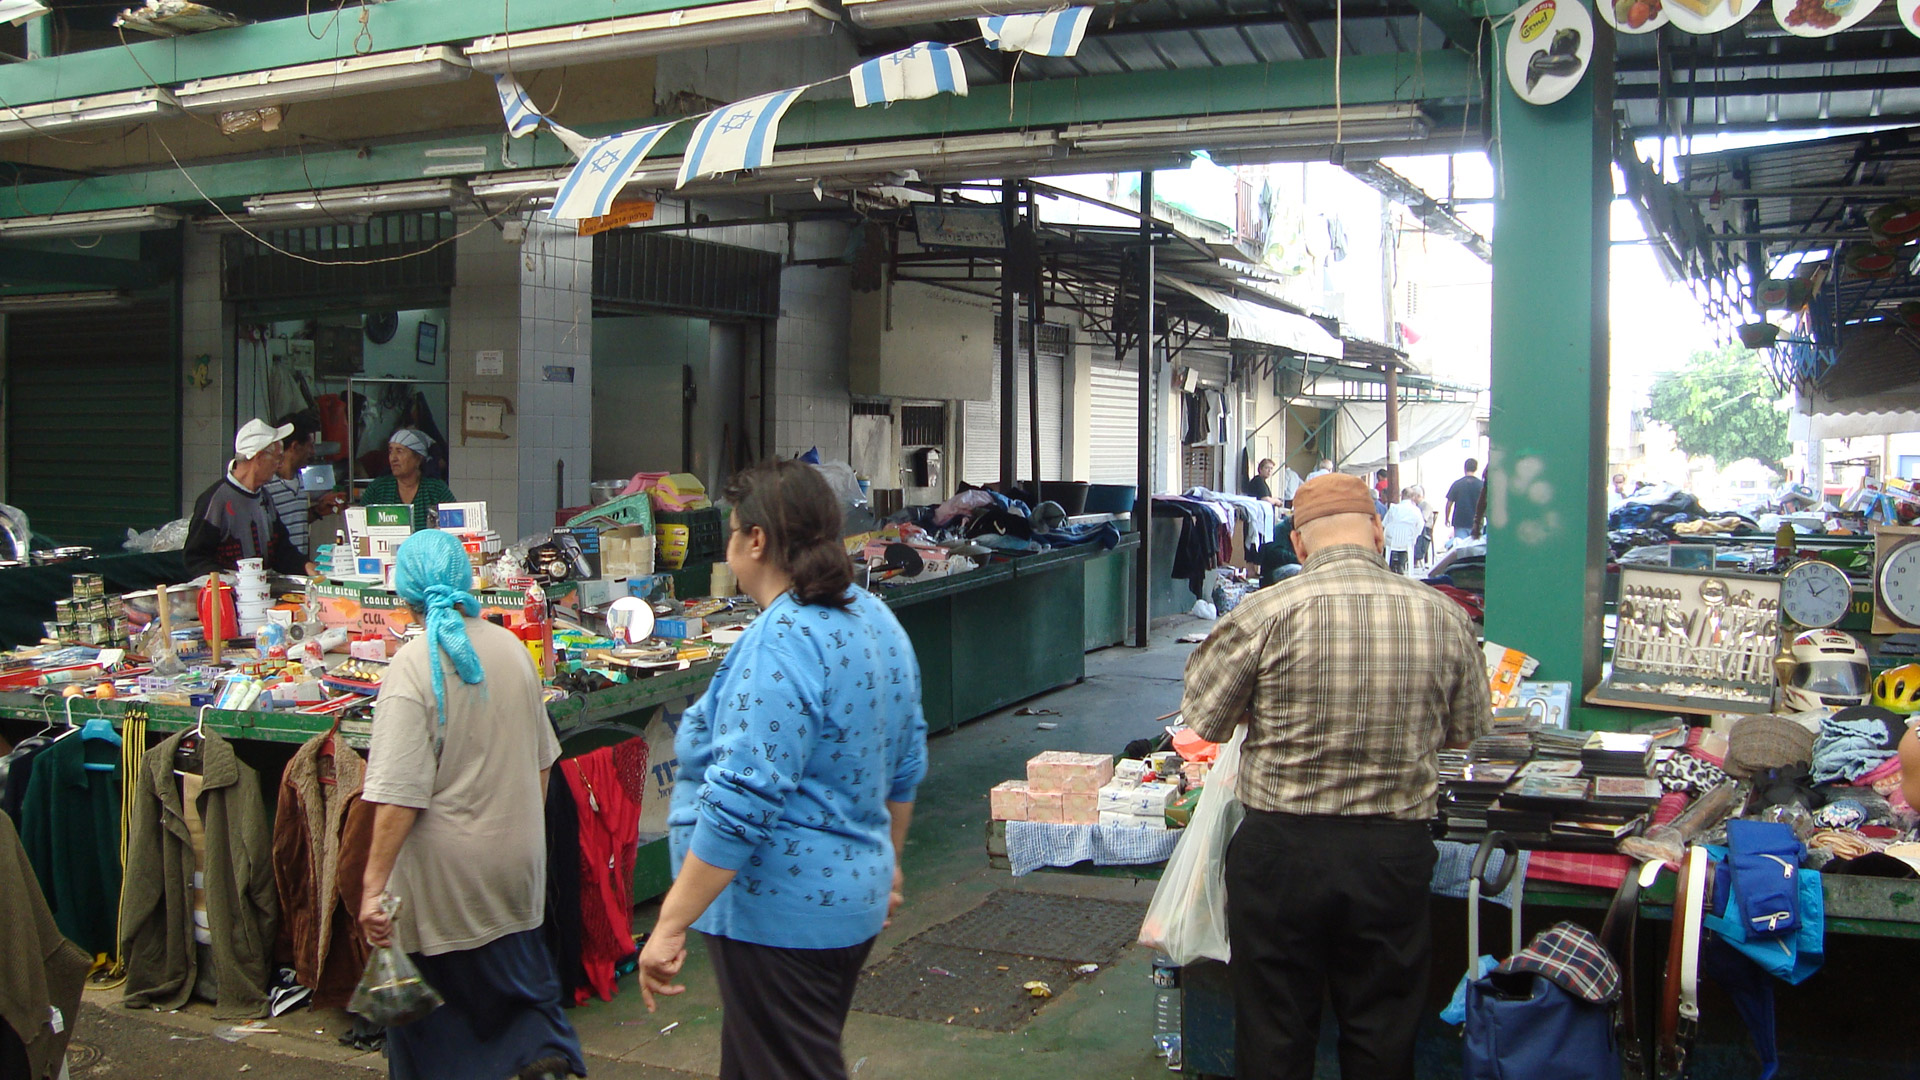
column 1360, row 430
column 1248, row 321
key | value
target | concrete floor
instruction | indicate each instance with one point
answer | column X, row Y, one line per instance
column 1096, row 1027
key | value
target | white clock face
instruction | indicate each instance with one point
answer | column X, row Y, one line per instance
column 1899, row 583
column 1816, row 594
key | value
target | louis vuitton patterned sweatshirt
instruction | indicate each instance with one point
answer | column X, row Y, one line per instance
column 809, row 728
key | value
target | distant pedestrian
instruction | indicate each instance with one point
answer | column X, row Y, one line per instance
column 1272, row 483
column 1463, row 503
column 798, row 768
column 1403, row 524
column 1326, row 466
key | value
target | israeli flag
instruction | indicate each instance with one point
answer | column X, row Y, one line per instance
column 605, row 168
column 1056, row 33
column 522, row 117
column 927, row 69
column 740, row 136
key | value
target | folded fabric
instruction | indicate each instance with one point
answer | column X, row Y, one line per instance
column 1568, row 955
column 1032, row 845
column 1453, row 870
column 1765, row 859
column 1848, row 749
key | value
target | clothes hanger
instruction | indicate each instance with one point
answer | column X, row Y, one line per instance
column 188, row 756
column 96, row 729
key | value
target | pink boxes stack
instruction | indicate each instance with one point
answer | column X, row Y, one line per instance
column 1061, row 788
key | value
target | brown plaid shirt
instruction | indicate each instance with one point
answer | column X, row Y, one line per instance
column 1354, row 677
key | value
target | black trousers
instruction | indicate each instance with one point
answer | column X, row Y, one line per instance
column 783, row 1009
column 1333, row 906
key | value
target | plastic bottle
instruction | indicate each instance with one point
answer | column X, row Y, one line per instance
column 1783, row 543
column 538, row 628
column 1166, row 1010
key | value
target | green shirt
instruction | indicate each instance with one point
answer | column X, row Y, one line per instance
column 385, row 491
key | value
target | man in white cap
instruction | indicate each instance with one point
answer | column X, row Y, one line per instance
column 232, row 520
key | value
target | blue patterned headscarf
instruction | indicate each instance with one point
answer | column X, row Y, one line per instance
column 432, row 573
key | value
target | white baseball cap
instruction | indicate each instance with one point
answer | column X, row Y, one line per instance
column 257, row 435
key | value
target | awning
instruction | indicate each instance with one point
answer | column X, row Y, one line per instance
column 1873, row 388
column 1360, row 430
column 1248, row 321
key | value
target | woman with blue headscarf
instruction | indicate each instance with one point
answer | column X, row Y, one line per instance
column 458, row 775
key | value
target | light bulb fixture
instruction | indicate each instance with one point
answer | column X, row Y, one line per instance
column 648, row 35
column 356, row 203
column 91, row 222
column 879, row 13
column 75, row 114
column 65, row 301
column 398, row 70
column 1248, row 131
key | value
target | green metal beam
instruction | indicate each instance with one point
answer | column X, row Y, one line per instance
column 1461, row 26
column 21, row 265
column 1546, row 545
column 328, row 34
column 1299, row 84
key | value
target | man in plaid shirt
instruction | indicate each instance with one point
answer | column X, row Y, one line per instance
column 1350, row 678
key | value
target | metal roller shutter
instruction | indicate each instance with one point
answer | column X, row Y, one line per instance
column 93, row 421
column 981, row 447
column 1115, row 387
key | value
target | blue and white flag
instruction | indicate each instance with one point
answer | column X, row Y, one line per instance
column 1056, row 33
column 740, row 136
column 927, row 69
column 589, row 190
column 522, row 117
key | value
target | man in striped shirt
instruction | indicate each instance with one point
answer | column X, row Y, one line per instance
column 289, row 502
column 1350, row 678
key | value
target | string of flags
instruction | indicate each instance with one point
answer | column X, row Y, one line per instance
column 742, row 135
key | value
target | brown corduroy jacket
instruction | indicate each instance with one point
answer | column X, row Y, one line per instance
column 316, row 832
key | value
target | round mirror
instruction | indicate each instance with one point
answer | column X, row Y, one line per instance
column 630, row 620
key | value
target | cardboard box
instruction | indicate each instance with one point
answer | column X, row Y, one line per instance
column 1009, row 801
column 600, row 592
column 626, row 551
column 1145, row 800
column 1080, row 807
column 1064, row 770
column 581, row 546
column 461, row 517
column 679, row 627
column 1129, row 771
column 1045, row 807
column 1129, row 821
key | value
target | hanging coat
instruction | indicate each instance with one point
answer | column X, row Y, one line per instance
column 309, row 830
column 70, row 824
column 41, row 980
column 156, row 910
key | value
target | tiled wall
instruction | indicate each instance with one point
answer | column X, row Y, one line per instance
column 206, row 328
column 812, row 406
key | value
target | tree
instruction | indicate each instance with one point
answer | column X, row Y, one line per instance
column 1722, row 405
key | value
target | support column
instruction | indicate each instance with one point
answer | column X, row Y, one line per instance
column 40, row 38
column 1009, row 343
column 1393, row 434
column 1147, row 432
column 1546, row 485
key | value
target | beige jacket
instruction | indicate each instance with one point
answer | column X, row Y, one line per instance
column 43, row 973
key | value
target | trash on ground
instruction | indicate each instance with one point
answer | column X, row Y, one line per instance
column 1037, row 989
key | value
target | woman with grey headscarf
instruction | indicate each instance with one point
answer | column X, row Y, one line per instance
column 457, row 776
column 407, row 455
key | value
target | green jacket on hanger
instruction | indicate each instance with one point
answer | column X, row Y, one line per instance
column 243, row 910
column 70, row 825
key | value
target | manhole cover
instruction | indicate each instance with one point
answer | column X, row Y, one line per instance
column 1074, row 928
column 81, row 1056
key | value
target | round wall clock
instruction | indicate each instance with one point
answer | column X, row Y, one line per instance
column 1816, row 594
column 1896, row 581
column 381, row 326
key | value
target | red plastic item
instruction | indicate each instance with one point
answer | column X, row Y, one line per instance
column 1194, row 748
column 229, row 616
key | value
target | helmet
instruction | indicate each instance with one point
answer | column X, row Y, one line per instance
column 1830, row 671
column 1898, row 689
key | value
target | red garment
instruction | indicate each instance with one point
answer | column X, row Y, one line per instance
column 607, row 786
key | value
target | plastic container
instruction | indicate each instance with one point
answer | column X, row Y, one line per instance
column 1070, row 494
column 1166, row 1010
column 706, row 534
column 1109, row 499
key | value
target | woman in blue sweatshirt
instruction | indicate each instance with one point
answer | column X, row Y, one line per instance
column 797, row 775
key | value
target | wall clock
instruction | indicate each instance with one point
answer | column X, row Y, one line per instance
column 1816, row 594
column 1896, row 579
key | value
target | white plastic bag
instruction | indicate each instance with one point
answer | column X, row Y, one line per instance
column 1187, row 919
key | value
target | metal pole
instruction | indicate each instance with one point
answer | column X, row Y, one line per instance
column 40, row 38
column 1143, row 502
column 1009, row 343
column 1033, row 359
column 1393, row 434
